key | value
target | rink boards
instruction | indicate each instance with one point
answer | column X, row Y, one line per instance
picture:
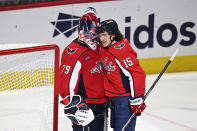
column 154, row 28
column 179, row 64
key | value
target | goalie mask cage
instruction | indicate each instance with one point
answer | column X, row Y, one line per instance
column 28, row 89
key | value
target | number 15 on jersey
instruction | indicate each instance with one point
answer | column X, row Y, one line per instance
column 128, row 62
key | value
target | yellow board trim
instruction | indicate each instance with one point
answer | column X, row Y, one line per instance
column 179, row 64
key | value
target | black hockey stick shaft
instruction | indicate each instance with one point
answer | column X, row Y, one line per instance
column 106, row 123
column 151, row 88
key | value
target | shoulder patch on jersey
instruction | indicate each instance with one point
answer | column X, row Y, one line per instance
column 71, row 51
column 87, row 56
column 119, row 46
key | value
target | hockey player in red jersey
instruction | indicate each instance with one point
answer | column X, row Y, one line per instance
column 124, row 78
column 81, row 81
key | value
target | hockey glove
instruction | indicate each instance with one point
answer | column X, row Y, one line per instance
column 137, row 105
column 77, row 111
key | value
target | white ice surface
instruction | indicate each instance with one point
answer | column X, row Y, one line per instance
column 171, row 106
column 26, row 110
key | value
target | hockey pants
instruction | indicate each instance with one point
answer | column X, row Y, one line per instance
column 120, row 113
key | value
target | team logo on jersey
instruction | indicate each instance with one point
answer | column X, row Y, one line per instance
column 109, row 67
column 65, row 24
column 97, row 68
column 71, row 51
column 119, row 46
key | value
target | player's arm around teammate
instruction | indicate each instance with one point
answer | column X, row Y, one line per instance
column 124, row 78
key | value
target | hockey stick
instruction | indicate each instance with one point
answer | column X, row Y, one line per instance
column 151, row 88
column 106, row 120
column 106, row 116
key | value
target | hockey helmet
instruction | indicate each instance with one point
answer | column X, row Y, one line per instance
column 110, row 26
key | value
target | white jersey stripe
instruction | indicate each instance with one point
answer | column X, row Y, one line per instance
column 127, row 73
column 74, row 78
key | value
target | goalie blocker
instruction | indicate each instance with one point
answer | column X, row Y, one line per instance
column 77, row 111
column 84, row 116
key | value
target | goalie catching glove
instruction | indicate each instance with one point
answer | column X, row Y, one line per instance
column 137, row 105
column 77, row 111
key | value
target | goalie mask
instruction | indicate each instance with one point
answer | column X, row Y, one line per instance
column 87, row 27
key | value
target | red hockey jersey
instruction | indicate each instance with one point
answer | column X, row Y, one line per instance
column 123, row 74
column 80, row 73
